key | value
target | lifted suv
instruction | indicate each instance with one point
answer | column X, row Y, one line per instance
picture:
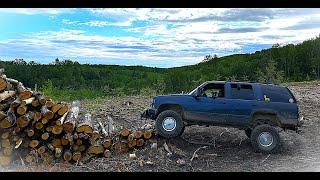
column 256, row 108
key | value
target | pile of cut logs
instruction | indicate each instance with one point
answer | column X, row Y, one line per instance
column 35, row 128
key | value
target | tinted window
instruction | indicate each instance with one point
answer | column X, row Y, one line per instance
column 276, row 93
column 242, row 91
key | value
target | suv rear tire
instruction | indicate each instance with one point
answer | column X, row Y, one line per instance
column 169, row 124
column 265, row 139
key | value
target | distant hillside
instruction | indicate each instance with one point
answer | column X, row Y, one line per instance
column 299, row 62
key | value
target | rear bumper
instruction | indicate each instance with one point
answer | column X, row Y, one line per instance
column 149, row 113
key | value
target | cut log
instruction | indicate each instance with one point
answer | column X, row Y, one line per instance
column 45, row 136
column 67, row 155
column 131, row 137
column 124, row 132
column 55, row 108
column 42, row 100
column 82, row 148
column 60, row 121
column 64, row 141
column 58, row 152
column 3, row 84
column 47, row 157
column 21, row 110
column 23, row 121
column 15, row 103
column 96, row 149
column 106, row 143
column 147, row 134
column 30, row 132
column 132, row 143
column 46, row 113
column 50, row 103
column 34, row 143
column 37, row 116
column 24, row 93
column 85, row 124
column 49, row 129
column 107, row 153
column 138, row 134
column 6, row 94
column 56, row 143
column 57, row 129
column 5, row 160
column 12, row 81
column 9, row 121
column 78, row 142
column 64, row 109
column 30, row 158
column 71, row 120
column 38, row 125
column 35, row 103
column 2, row 115
column 140, row 142
column 7, row 151
column 27, row 101
column 42, row 149
column 75, row 148
column 76, row 156
column 5, row 135
column 5, row 143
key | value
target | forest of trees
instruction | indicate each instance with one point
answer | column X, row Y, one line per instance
column 70, row 80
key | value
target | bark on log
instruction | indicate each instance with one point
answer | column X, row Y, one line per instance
column 46, row 113
column 24, row 93
column 85, row 124
column 2, row 115
column 42, row 100
column 9, row 121
column 60, row 121
column 6, row 94
column 58, row 152
column 71, row 120
column 37, row 116
column 103, row 129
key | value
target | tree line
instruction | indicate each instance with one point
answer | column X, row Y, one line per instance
column 70, row 80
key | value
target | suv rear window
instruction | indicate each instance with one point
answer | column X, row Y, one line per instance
column 242, row 91
column 277, row 93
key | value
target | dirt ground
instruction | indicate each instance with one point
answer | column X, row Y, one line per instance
column 204, row 148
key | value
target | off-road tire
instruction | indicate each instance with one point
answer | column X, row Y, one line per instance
column 257, row 147
column 248, row 132
column 179, row 124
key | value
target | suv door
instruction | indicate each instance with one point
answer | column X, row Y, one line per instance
column 208, row 110
column 241, row 101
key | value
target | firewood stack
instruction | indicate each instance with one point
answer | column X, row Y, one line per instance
column 35, row 127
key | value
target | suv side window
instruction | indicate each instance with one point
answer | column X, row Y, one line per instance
column 276, row 94
column 242, row 91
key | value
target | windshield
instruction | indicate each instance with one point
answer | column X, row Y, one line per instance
column 193, row 91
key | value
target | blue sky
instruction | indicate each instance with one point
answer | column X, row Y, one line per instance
column 149, row 37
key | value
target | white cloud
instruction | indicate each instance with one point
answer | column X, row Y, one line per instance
column 33, row 11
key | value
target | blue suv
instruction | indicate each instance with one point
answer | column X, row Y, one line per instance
column 253, row 107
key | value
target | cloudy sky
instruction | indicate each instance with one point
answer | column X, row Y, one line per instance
column 149, row 37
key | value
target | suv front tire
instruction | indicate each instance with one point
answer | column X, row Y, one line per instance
column 169, row 124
